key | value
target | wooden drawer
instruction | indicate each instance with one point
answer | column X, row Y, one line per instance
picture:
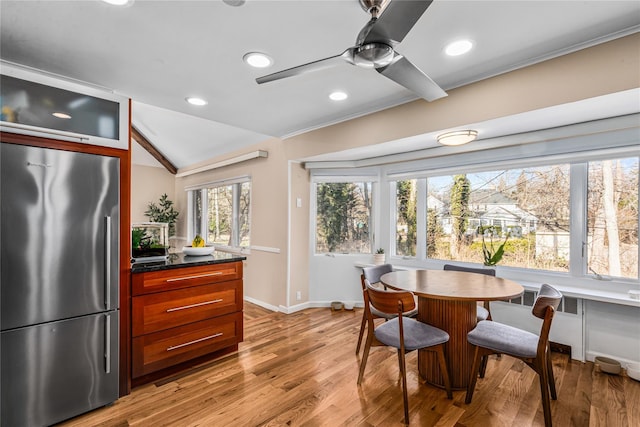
column 164, row 310
column 166, row 348
column 176, row 278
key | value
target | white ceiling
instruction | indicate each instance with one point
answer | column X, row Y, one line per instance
column 160, row 52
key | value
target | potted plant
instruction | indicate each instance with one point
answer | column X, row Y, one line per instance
column 378, row 257
column 490, row 253
column 163, row 212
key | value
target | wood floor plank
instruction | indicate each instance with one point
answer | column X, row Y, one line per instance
column 301, row 370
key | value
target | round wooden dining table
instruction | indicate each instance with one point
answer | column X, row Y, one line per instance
column 448, row 300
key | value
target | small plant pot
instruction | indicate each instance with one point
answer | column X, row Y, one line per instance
column 607, row 365
column 378, row 259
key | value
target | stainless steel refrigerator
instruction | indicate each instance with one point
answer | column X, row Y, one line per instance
column 59, row 284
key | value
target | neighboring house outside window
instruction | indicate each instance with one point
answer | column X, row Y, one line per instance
column 536, row 208
column 528, row 206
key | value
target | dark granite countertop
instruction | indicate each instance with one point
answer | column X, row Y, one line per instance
column 181, row 260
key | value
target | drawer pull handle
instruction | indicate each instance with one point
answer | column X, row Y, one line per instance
column 184, row 307
column 174, row 347
column 176, row 279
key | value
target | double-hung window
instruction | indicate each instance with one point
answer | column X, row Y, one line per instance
column 220, row 212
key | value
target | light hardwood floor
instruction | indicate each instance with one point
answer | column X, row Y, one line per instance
column 301, row 369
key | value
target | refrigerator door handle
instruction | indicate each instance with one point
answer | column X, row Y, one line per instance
column 107, row 344
column 107, row 262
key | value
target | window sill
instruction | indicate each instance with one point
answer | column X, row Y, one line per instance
column 583, row 292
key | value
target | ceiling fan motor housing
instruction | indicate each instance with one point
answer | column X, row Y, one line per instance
column 373, row 55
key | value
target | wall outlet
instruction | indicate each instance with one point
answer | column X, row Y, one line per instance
column 298, row 295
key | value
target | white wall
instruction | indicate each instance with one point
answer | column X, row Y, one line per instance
column 148, row 183
column 612, row 330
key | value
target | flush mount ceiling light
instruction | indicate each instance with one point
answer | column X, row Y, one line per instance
column 61, row 115
column 196, row 101
column 458, row 47
column 338, row 96
column 257, row 60
column 458, row 137
column 234, row 3
column 119, row 2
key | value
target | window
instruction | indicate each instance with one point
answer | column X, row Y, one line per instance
column 527, row 210
column 406, row 211
column 220, row 213
column 343, row 217
column 612, row 217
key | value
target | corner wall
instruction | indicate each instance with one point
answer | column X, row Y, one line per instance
column 148, row 183
column 265, row 270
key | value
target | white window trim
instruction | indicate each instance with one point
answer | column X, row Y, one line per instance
column 338, row 176
column 576, row 155
column 235, row 221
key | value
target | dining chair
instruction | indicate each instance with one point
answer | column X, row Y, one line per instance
column 534, row 350
column 403, row 333
column 483, row 312
column 373, row 274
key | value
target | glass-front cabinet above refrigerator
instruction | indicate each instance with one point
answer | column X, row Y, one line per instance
column 40, row 105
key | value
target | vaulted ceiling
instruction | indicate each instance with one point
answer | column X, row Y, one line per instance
column 160, row 52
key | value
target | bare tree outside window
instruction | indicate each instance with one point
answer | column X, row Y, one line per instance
column 613, row 217
column 221, row 214
column 531, row 206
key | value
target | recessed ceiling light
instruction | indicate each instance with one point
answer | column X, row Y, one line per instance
column 196, row 101
column 119, row 2
column 61, row 115
column 459, row 47
column 257, row 60
column 338, row 96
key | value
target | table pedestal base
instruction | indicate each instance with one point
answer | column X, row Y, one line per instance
column 457, row 318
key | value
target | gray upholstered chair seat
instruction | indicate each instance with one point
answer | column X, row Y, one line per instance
column 504, row 339
column 481, row 313
column 416, row 334
column 403, row 333
column 492, row 337
column 373, row 274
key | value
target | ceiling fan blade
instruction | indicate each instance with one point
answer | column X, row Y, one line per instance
column 397, row 19
column 320, row 64
column 403, row 72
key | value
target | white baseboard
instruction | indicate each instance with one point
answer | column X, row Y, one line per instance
column 261, row 303
column 294, row 308
column 299, row 307
column 591, row 355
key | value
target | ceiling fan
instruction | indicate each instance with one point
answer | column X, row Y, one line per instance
column 390, row 22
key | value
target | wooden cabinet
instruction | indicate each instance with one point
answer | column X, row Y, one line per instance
column 184, row 314
column 39, row 105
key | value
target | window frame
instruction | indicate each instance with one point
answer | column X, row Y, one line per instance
column 236, row 184
column 578, row 167
column 324, row 177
